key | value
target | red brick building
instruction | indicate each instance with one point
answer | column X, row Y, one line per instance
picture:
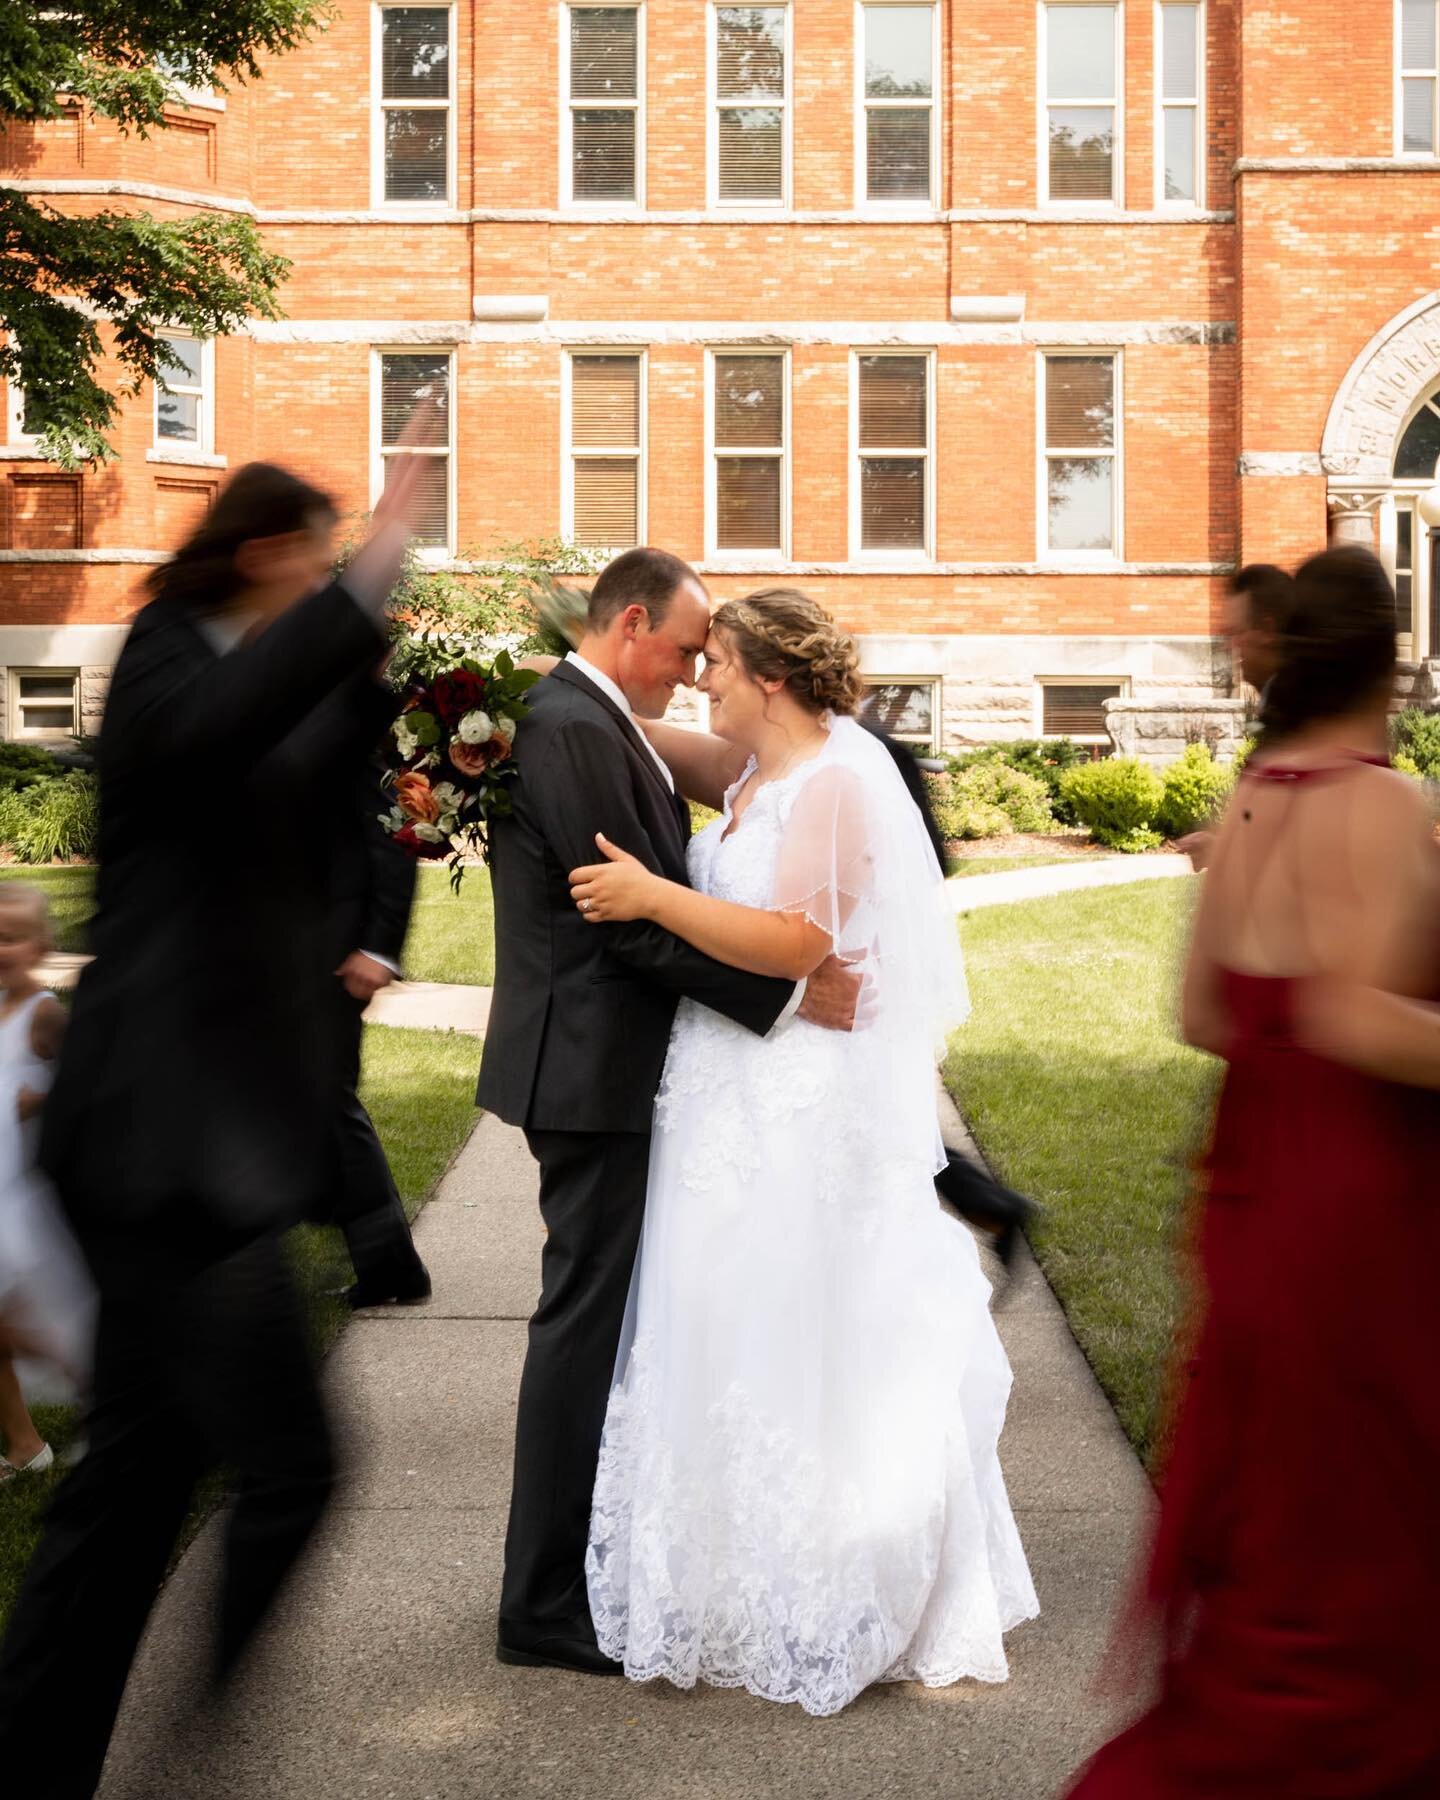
column 1007, row 328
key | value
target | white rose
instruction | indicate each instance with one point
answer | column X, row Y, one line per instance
column 476, row 728
column 505, row 728
column 450, row 797
column 430, row 834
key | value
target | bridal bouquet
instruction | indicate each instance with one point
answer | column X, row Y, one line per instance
column 450, row 769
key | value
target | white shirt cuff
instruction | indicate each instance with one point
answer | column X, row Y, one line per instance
column 795, row 1003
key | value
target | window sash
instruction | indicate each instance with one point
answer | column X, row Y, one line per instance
column 434, row 533
column 1094, row 180
column 1092, row 445
column 604, row 121
column 893, row 478
column 605, row 450
column 1180, row 104
column 44, row 715
column 749, row 467
column 887, row 174
column 430, row 167
column 749, row 153
column 902, row 694
column 195, row 421
column 1417, row 81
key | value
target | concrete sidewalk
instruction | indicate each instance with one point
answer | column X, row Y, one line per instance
column 967, row 892
column 379, row 1675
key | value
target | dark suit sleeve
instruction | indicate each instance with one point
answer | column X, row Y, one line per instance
column 392, row 875
column 196, row 721
column 583, row 788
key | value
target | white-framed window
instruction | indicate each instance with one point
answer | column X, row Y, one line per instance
column 749, row 144
column 1417, row 77
column 19, row 426
column 1073, row 706
column 747, row 429
column 1180, row 104
column 185, row 394
column 413, row 73
column 183, row 92
column 44, row 703
column 401, row 380
column 604, row 434
column 892, row 434
column 905, row 708
column 1081, row 118
column 1405, row 535
column 602, row 71
column 1080, row 474
column 897, row 128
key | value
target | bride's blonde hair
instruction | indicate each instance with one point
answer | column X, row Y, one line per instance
column 780, row 634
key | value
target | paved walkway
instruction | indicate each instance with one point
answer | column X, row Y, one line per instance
column 968, row 892
column 379, row 1678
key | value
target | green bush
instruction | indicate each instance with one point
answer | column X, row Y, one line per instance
column 52, row 821
column 1045, row 758
column 22, row 765
column 1117, row 801
column 1195, row 789
column 1416, row 735
column 987, row 798
column 963, row 815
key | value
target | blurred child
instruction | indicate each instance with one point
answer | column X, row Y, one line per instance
column 44, row 1297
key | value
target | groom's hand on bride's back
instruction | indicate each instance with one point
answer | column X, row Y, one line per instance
column 834, row 996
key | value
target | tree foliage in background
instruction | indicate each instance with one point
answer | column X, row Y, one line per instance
column 60, row 276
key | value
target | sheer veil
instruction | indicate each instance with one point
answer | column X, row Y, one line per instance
column 857, row 861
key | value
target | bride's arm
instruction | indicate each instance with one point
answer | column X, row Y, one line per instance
column 703, row 766
column 766, row 943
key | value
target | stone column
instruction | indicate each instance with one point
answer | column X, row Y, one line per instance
column 1352, row 516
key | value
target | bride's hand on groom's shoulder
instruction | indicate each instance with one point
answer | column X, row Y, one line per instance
column 619, row 888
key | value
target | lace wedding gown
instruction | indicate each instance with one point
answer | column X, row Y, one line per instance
column 798, row 1490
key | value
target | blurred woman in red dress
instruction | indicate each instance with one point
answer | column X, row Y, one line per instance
column 1293, row 1584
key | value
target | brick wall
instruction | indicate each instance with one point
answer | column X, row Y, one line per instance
column 1235, row 328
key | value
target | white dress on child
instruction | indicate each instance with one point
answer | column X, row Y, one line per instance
column 43, row 1282
column 798, row 1490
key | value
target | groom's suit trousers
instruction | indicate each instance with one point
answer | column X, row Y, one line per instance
column 592, row 1199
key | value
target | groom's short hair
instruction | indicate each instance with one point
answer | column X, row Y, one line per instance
column 642, row 577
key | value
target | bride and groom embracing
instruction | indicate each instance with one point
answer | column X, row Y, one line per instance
column 756, row 1441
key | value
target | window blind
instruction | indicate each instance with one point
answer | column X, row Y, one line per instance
column 1079, row 403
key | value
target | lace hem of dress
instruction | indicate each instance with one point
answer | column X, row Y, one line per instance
column 740, row 1562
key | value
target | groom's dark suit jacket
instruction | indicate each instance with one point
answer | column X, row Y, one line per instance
column 581, row 1013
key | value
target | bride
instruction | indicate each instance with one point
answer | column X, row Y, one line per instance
column 798, row 1490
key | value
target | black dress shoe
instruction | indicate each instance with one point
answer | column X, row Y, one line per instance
column 978, row 1197
column 581, row 1655
column 408, row 1290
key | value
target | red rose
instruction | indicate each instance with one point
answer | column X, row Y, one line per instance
column 456, row 694
column 405, row 837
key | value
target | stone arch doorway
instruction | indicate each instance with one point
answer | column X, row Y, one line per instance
column 1379, row 455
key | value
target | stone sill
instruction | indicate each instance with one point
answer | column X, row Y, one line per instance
column 188, row 459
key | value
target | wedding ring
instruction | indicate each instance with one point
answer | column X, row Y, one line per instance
column 585, row 905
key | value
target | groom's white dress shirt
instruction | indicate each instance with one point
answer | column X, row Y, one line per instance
column 612, row 691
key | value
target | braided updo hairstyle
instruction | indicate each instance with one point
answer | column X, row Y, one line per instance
column 780, row 634
column 1336, row 643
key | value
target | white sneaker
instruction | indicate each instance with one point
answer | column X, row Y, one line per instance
column 43, row 1459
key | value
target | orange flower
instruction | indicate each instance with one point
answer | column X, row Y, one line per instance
column 498, row 748
column 414, row 797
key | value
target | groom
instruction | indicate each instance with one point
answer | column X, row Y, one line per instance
column 574, row 1050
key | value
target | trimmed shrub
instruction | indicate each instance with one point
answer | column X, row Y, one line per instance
column 54, row 820
column 22, row 765
column 987, row 798
column 1117, row 801
column 1416, row 735
column 1046, row 759
column 1195, row 788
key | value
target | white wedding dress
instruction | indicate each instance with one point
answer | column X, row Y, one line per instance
column 798, row 1490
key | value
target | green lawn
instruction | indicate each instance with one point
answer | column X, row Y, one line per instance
column 1073, row 1080
column 420, row 1089
column 451, row 935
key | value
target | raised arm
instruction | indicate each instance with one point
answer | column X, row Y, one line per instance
column 703, row 766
